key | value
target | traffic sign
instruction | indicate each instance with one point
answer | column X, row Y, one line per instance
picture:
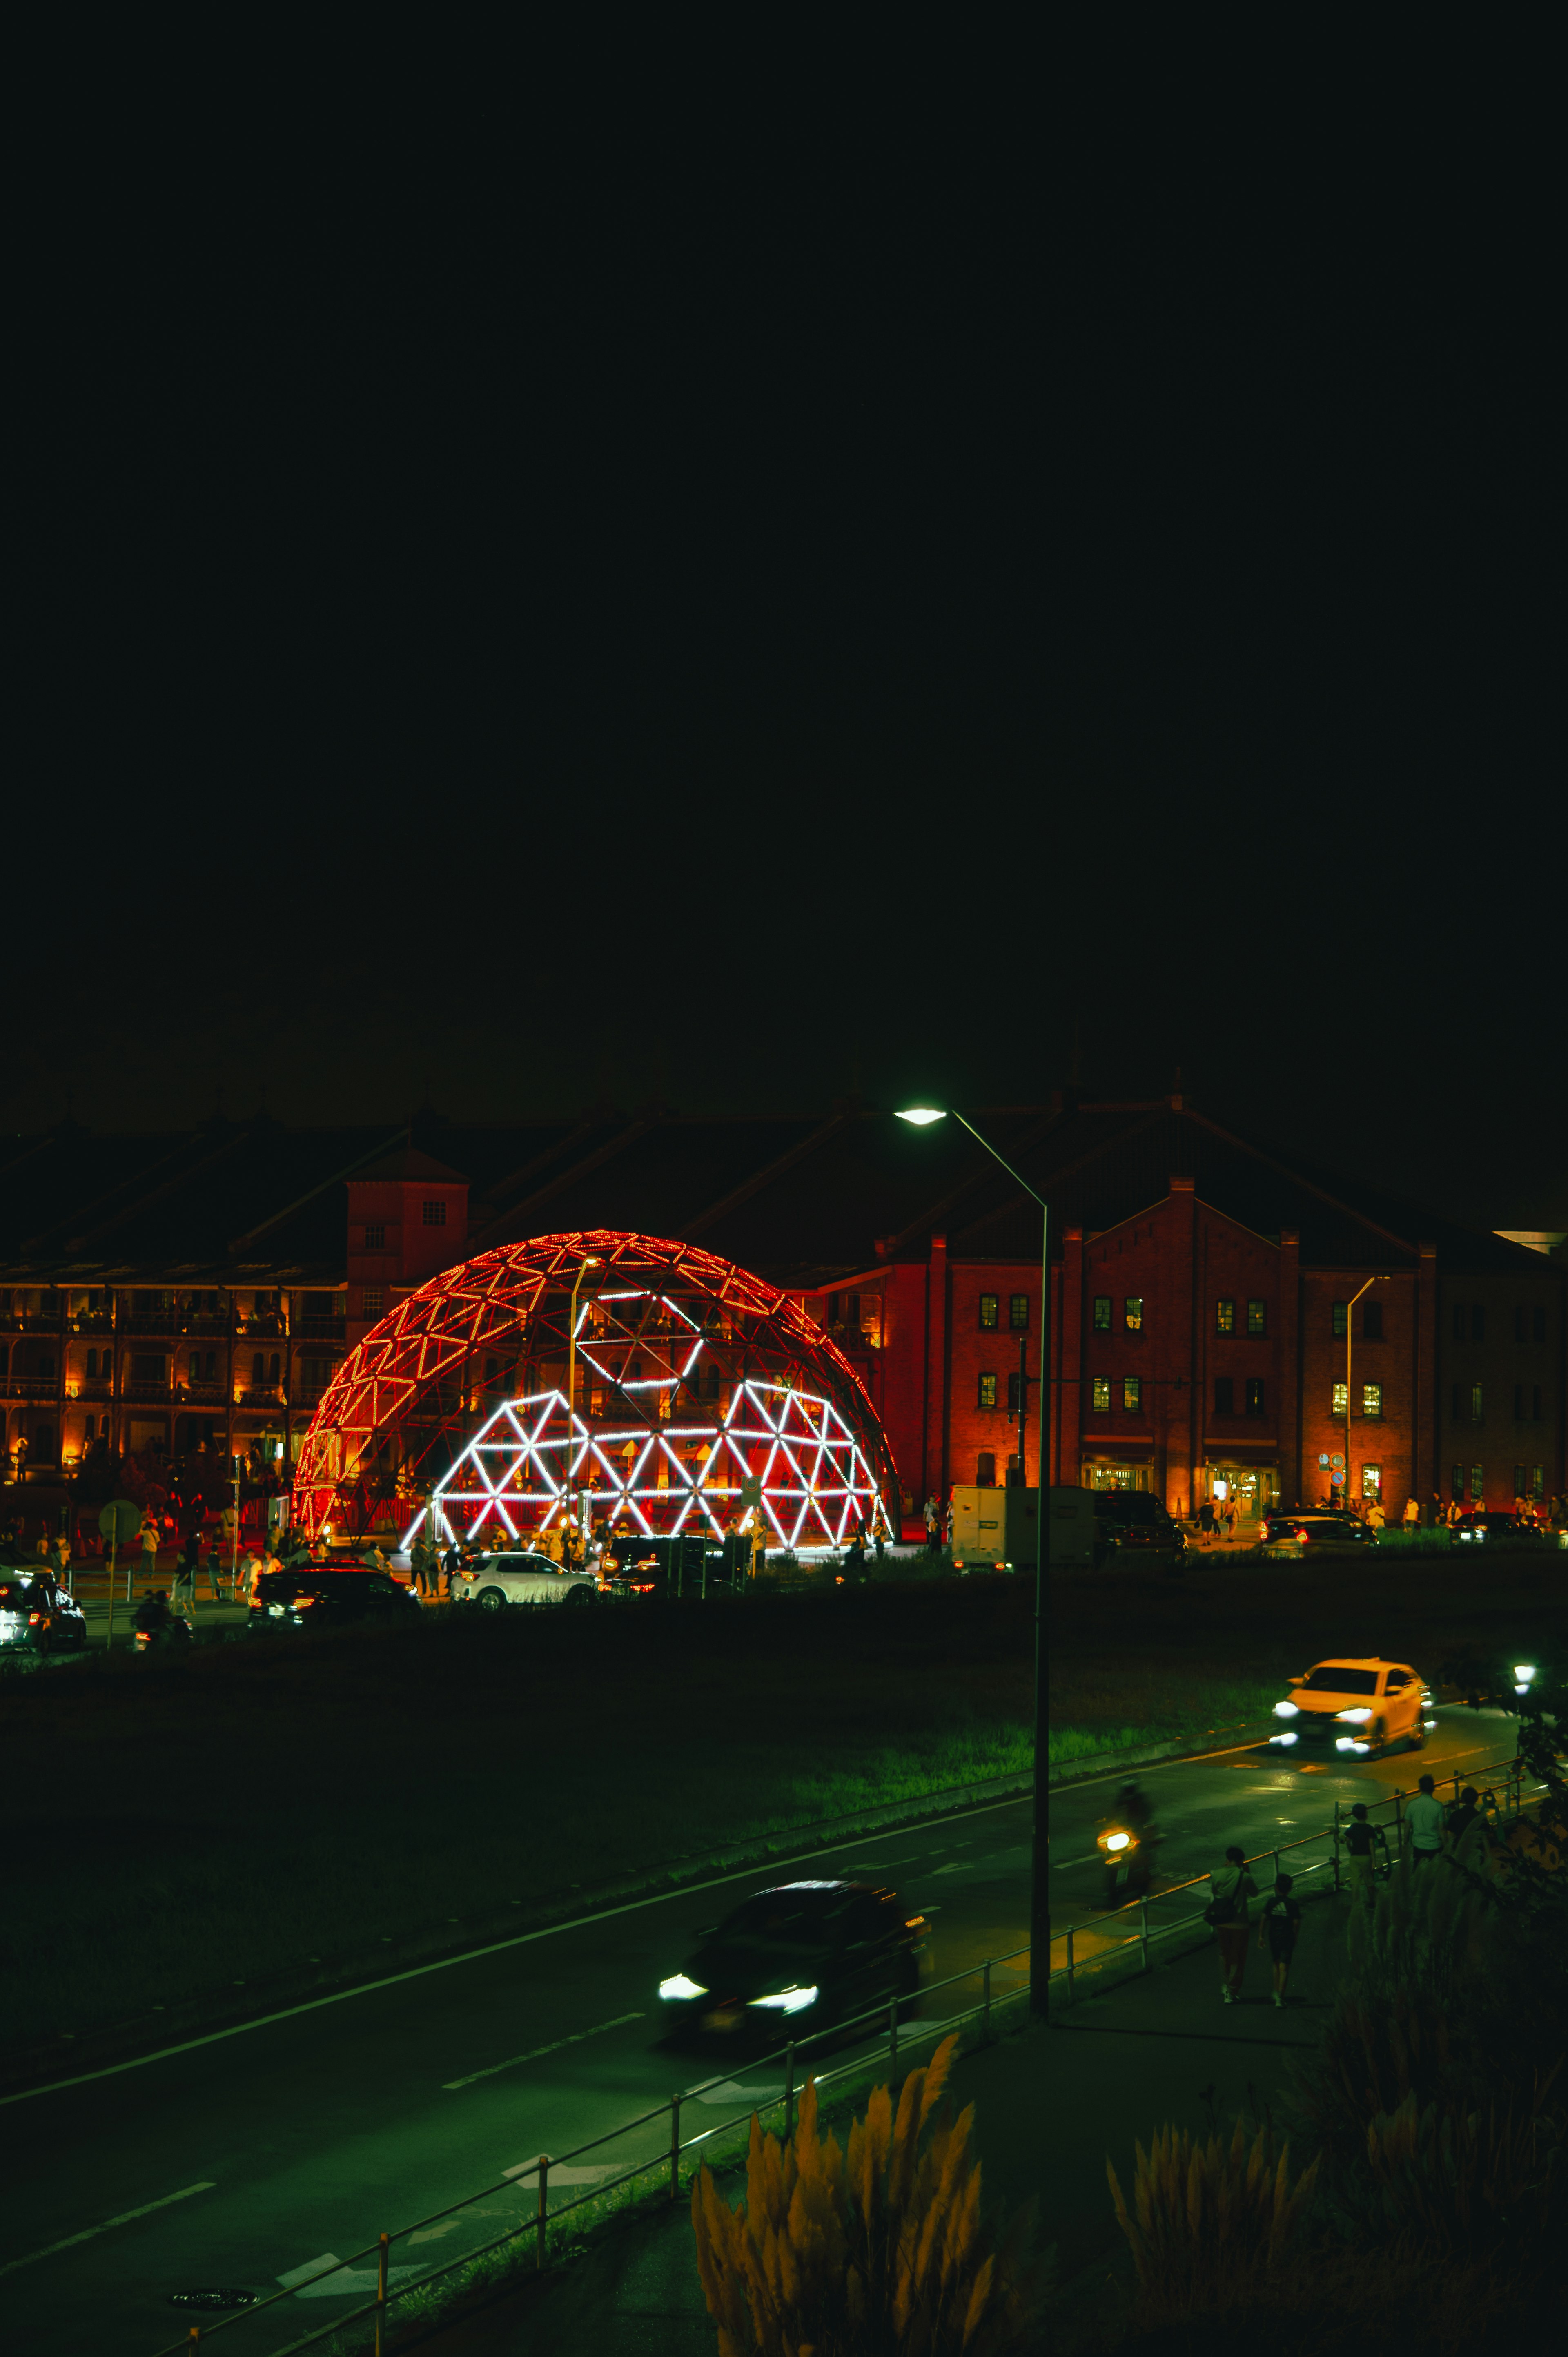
column 120, row 1521
column 1338, row 1457
column 751, row 1490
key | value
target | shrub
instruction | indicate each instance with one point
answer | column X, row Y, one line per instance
column 1209, row 2224
column 877, row 2249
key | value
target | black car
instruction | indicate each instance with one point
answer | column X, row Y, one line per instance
column 795, row 1960
column 1317, row 1526
column 37, row 1616
column 325, row 1595
column 1495, row 1530
column 1133, row 1522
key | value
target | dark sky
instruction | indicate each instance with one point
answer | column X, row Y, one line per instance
column 849, row 600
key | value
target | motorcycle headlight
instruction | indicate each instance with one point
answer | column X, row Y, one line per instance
column 1287, row 1710
column 790, row 2000
column 1114, row 1841
column 678, row 1986
column 1356, row 1718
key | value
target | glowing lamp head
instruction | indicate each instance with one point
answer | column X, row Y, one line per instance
column 920, row 1115
column 1524, row 1672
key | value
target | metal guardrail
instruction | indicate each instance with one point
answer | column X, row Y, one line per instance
column 789, row 2055
column 1507, row 1771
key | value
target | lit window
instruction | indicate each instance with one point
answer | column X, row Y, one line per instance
column 1341, row 1400
column 987, row 1391
column 375, row 1300
column 1478, row 1485
column 1372, row 1487
column 1103, row 1393
column 1224, row 1395
column 1476, row 1404
column 1254, row 1395
column 1133, row 1306
column 1371, row 1399
column 1132, row 1395
column 1018, row 1312
column 1225, row 1317
column 1341, row 1320
column 1102, row 1313
column 988, row 1313
column 1257, row 1316
column 375, row 1238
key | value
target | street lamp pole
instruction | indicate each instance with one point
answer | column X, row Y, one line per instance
column 1348, row 1307
column 589, row 1261
column 1039, row 1870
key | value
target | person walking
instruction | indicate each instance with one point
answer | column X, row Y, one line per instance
column 1362, row 1839
column 184, row 1601
column 1424, row 1818
column 150, row 1536
column 1206, row 1518
column 1377, row 1520
column 930, row 1521
column 1231, row 1887
column 1412, row 1514
column 1280, row 1923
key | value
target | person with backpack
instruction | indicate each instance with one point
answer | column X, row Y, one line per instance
column 1226, row 1913
column 1361, row 1837
column 1280, row 1923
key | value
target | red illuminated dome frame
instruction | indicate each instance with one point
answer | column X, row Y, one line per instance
column 692, row 1377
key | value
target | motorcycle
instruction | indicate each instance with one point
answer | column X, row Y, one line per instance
column 172, row 1635
column 1129, row 1858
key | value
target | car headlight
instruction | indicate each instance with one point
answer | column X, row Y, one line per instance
column 1292, row 1737
column 1287, row 1710
column 678, row 1985
column 790, row 2000
column 1357, row 1717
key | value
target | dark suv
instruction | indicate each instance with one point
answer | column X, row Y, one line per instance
column 1128, row 1522
column 325, row 1595
column 36, row 1616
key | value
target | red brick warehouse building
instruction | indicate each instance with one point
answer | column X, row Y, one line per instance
column 1201, row 1297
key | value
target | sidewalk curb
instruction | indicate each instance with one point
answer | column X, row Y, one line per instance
column 1101, row 1764
column 122, row 2041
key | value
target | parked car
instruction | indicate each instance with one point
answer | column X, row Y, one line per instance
column 1131, row 1523
column 1356, row 1707
column 793, row 1960
column 36, row 1616
column 325, row 1595
column 494, row 1581
column 1314, row 1526
column 1495, row 1530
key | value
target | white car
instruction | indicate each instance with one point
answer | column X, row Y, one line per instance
column 495, row 1581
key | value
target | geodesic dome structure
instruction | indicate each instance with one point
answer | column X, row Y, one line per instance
column 699, row 1393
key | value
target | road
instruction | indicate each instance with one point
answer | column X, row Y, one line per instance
column 289, row 2146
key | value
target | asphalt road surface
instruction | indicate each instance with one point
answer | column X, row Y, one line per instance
column 264, row 2159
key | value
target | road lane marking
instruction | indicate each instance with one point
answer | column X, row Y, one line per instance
column 1092, row 1859
column 449, row 2085
column 490, row 1948
column 310, row 2270
column 526, row 2173
column 123, row 2219
column 732, row 2094
column 350, row 2280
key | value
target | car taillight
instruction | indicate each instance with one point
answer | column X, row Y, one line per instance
column 34, row 1618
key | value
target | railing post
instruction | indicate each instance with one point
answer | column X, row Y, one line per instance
column 195, row 2341
column 382, row 2243
column 985, row 1996
column 892, row 2033
column 790, row 2090
column 543, row 2207
column 674, row 2148
column 1276, row 1866
column 1070, row 1984
column 1144, row 1932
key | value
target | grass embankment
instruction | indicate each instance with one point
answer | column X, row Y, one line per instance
column 237, row 1814
column 1138, row 1658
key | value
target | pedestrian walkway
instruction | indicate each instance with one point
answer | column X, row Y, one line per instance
column 1050, row 2106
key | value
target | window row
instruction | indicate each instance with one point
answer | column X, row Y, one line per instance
column 1528, row 1481
column 1371, row 1400
column 1470, row 1325
column 1225, row 1316
column 1372, row 1322
column 1131, row 1313
column 1470, row 1399
column 1018, row 1313
column 1225, row 1395
column 988, row 1393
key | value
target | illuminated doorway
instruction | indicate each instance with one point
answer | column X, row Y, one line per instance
column 1253, row 1489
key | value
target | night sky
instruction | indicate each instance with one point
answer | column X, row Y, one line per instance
column 845, row 600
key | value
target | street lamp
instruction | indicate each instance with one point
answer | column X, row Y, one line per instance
column 588, row 1262
column 921, row 1117
column 1348, row 1307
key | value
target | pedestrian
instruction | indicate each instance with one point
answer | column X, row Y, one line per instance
column 759, row 1545
column 1377, row 1520
column 1206, row 1518
column 879, row 1531
column 184, row 1583
column 1231, row 1887
column 930, row 1521
column 1281, row 1923
column 1424, row 1818
column 1464, row 1813
column 149, row 1546
column 1362, row 1838
column 1412, row 1514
